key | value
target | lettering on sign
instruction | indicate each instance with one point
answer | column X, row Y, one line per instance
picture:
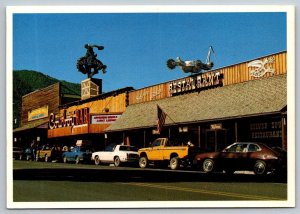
column 260, row 67
column 146, row 95
column 104, row 119
column 79, row 117
column 194, row 83
column 216, row 126
column 38, row 113
column 264, row 130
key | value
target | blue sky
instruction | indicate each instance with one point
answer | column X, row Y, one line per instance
column 137, row 45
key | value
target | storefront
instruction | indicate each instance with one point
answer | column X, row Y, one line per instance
column 242, row 102
column 35, row 112
column 86, row 119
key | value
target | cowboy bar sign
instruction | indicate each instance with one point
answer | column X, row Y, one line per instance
column 79, row 117
column 194, row 83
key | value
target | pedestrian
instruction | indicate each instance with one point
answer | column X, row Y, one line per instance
column 33, row 147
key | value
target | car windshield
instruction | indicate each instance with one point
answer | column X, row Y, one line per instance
column 128, row 148
column 109, row 148
column 156, row 143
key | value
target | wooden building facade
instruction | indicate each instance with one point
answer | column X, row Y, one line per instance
column 87, row 119
column 241, row 102
column 35, row 111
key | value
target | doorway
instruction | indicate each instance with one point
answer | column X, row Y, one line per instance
column 215, row 140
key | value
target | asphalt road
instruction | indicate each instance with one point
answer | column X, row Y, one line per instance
column 56, row 182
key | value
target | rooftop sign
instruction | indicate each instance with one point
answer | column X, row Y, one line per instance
column 194, row 83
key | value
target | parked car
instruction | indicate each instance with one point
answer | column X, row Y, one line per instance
column 18, row 153
column 49, row 153
column 78, row 154
column 28, row 154
column 117, row 154
column 248, row 156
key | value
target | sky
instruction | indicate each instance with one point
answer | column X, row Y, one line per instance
column 137, row 45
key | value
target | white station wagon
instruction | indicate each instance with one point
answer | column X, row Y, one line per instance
column 117, row 155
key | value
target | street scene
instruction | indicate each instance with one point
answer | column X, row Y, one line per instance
column 149, row 107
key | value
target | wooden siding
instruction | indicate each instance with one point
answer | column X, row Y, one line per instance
column 114, row 104
column 155, row 92
column 233, row 74
column 48, row 96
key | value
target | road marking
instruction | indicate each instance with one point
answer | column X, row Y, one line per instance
column 209, row 192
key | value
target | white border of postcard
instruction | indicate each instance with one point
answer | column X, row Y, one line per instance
column 290, row 10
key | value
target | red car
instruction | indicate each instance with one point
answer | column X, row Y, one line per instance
column 248, row 156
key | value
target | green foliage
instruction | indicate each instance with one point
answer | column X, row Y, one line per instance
column 26, row 81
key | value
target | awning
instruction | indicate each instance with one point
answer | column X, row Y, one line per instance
column 253, row 98
column 38, row 124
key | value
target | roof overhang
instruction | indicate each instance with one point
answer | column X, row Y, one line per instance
column 41, row 124
column 265, row 96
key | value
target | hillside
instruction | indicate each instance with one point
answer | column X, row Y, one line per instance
column 26, row 81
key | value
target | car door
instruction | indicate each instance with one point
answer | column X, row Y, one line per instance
column 106, row 155
column 154, row 152
column 233, row 157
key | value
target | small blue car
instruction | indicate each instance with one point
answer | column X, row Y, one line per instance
column 78, row 154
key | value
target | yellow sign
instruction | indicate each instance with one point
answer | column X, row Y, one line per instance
column 38, row 113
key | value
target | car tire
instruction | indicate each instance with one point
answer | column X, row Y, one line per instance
column 65, row 159
column 174, row 163
column 97, row 160
column 117, row 161
column 77, row 160
column 143, row 162
column 208, row 165
column 260, row 167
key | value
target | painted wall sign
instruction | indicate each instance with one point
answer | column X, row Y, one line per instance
column 216, row 126
column 79, row 117
column 260, row 67
column 270, row 129
column 38, row 113
column 104, row 118
column 194, row 83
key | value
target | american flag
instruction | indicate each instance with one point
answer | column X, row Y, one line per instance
column 161, row 117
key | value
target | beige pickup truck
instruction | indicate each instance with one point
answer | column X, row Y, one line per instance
column 165, row 151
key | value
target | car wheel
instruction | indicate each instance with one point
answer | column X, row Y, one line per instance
column 260, row 167
column 174, row 163
column 208, row 165
column 65, row 159
column 117, row 161
column 97, row 160
column 143, row 162
column 77, row 160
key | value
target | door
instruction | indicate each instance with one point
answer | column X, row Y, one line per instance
column 215, row 140
column 155, row 151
